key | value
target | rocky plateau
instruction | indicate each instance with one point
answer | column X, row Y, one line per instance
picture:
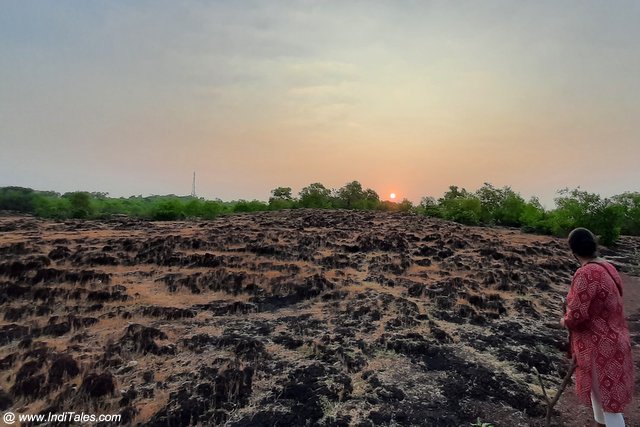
column 289, row 318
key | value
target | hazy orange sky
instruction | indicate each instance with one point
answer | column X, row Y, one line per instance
column 404, row 96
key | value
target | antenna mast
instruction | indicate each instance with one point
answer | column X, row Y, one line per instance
column 193, row 186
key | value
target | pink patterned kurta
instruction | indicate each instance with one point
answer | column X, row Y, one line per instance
column 600, row 336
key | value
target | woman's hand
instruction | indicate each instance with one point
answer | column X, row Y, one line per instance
column 562, row 322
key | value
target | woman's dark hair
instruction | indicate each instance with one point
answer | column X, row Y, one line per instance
column 583, row 243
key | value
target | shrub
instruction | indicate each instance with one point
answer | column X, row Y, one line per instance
column 249, row 206
column 80, row 202
column 460, row 206
column 54, row 208
column 463, row 210
column 168, row 210
column 405, row 206
column 429, row 207
column 533, row 217
column 211, row 209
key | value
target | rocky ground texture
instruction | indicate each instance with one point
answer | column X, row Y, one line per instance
column 305, row 317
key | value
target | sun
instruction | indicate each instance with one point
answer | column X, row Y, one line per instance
column 392, row 196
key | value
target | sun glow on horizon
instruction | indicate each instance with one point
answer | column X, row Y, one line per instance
column 392, row 196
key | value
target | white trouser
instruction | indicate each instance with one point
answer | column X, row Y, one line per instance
column 610, row 419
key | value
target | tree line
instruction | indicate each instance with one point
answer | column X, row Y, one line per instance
column 488, row 205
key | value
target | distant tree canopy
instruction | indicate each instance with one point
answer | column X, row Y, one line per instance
column 315, row 195
column 18, row 199
column 602, row 216
column 80, row 202
column 607, row 217
column 630, row 208
column 281, row 198
column 352, row 196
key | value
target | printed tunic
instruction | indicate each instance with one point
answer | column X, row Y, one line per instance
column 600, row 336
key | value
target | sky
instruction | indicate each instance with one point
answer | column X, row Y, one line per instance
column 404, row 96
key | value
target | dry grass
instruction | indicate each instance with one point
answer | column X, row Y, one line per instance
column 149, row 407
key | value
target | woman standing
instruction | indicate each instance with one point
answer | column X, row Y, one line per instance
column 599, row 334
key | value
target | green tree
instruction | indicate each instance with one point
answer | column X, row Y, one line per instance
column 281, row 198
column 454, row 193
column 369, row 201
column 533, row 217
column 461, row 206
column 17, row 199
column 405, row 205
column 463, row 210
column 510, row 210
column 577, row 208
column 501, row 206
column 168, row 210
column 353, row 196
column 629, row 204
column 283, row 193
column 193, row 208
column 349, row 195
column 315, row 195
column 491, row 199
column 429, row 206
column 80, row 204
